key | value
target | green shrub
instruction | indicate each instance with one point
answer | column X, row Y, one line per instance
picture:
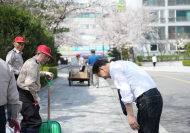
column 138, row 63
column 19, row 22
column 186, row 62
column 51, row 65
column 47, row 69
column 140, row 58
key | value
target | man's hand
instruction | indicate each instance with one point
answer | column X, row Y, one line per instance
column 36, row 101
column 15, row 125
column 133, row 123
column 50, row 75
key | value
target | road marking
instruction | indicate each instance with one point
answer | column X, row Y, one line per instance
column 173, row 78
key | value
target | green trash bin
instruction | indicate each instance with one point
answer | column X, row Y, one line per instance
column 50, row 126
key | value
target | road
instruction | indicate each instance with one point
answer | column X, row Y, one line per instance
column 175, row 90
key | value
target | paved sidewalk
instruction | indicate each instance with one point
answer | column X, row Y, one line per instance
column 81, row 109
column 184, row 69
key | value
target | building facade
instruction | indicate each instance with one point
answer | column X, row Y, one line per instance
column 88, row 27
column 172, row 24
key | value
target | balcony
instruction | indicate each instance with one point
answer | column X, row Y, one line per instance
column 178, row 2
column 154, row 3
column 179, row 35
column 179, row 19
column 159, row 20
column 161, row 37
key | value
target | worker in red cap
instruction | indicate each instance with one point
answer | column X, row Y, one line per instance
column 81, row 62
column 15, row 61
column 29, row 83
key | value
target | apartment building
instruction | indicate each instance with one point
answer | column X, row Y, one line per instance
column 172, row 24
column 88, row 27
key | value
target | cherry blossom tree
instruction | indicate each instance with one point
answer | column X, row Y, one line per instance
column 127, row 28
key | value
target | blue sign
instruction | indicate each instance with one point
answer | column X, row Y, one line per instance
column 106, row 47
column 86, row 48
column 99, row 48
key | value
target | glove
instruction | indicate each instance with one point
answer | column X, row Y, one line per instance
column 15, row 125
column 50, row 75
column 36, row 101
column 80, row 68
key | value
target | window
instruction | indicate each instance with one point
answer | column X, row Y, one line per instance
column 182, row 15
column 178, row 2
column 171, row 15
column 161, row 33
column 154, row 2
column 160, row 16
column 179, row 32
column 153, row 47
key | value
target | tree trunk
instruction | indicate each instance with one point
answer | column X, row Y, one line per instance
column 121, row 55
column 133, row 55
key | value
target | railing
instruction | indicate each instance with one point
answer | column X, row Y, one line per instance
column 179, row 19
column 161, row 37
column 154, row 3
column 179, row 35
column 159, row 20
column 178, row 2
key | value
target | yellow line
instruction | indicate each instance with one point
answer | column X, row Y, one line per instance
column 174, row 78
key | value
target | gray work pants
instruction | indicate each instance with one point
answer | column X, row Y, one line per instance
column 91, row 77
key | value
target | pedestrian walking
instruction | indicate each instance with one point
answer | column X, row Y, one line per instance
column 91, row 60
column 59, row 62
column 15, row 61
column 29, row 83
column 8, row 94
column 154, row 60
column 134, row 85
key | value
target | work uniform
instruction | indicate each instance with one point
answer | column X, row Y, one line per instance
column 29, row 83
column 82, row 64
column 8, row 92
column 15, row 61
column 135, row 85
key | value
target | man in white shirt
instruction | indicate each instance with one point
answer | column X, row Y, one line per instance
column 154, row 60
column 134, row 85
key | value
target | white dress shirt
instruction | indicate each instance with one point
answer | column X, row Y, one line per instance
column 154, row 59
column 132, row 80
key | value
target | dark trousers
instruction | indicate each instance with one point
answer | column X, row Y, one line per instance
column 2, row 119
column 9, row 113
column 30, row 112
column 83, row 68
column 154, row 64
column 149, row 111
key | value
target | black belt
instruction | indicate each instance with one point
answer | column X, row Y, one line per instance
column 154, row 89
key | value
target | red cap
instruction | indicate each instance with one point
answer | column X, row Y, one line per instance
column 44, row 49
column 20, row 39
column 77, row 55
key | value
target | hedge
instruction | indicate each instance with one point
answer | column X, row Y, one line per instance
column 138, row 63
column 162, row 58
column 19, row 22
column 51, row 65
column 48, row 69
column 186, row 62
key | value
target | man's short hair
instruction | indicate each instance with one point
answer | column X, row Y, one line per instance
column 98, row 64
column 92, row 51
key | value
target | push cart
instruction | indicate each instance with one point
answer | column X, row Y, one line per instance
column 79, row 76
